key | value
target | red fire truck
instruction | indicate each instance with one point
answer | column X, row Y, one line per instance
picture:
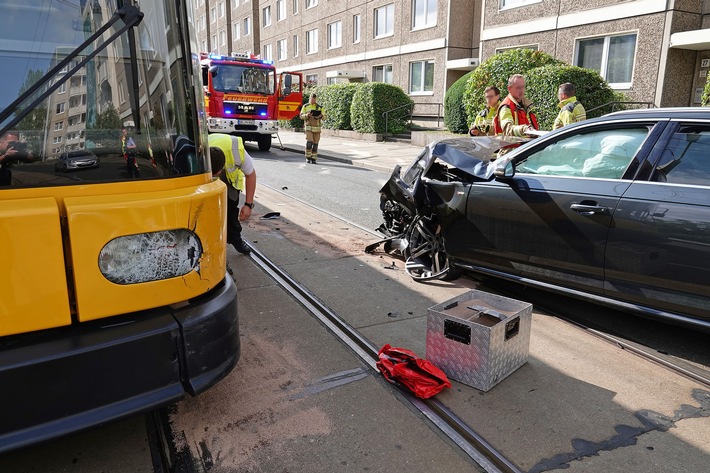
column 243, row 96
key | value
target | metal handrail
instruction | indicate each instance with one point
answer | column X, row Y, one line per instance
column 386, row 115
column 614, row 104
column 439, row 115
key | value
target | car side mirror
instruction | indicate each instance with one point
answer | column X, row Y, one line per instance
column 287, row 91
column 505, row 169
column 214, row 70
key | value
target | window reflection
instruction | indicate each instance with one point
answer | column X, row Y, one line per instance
column 151, row 95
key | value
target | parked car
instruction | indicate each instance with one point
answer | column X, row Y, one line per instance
column 614, row 209
column 74, row 160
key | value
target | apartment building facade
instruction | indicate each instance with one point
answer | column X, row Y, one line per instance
column 653, row 50
column 423, row 46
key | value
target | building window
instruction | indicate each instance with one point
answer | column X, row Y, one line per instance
column 516, row 3
column 295, row 6
column 60, row 108
column 312, row 79
column 384, row 21
column 213, row 14
column 421, row 77
column 335, row 35
column 281, row 52
column 222, row 38
column 204, row 45
column 214, row 43
column 280, row 10
column 611, row 56
column 58, row 126
column 382, row 74
column 311, row 41
column 356, row 28
column 247, row 26
column 295, row 45
column 266, row 16
column 62, row 88
column 221, row 9
column 237, row 28
column 57, row 139
column 423, row 13
column 311, row 3
column 268, row 53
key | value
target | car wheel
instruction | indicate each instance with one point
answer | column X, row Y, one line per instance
column 425, row 257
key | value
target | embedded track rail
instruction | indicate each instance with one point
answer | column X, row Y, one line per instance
column 450, row 425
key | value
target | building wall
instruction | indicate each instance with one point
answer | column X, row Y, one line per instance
column 662, row 75
column 455, row 35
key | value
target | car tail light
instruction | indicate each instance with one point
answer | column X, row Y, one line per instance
column 151, row 256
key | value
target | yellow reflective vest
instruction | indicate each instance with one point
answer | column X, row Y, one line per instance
column 311, row 123
column 234, row 173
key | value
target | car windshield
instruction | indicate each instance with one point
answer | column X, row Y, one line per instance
column 139, row 81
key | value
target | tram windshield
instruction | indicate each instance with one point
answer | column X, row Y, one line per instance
column 76, row 73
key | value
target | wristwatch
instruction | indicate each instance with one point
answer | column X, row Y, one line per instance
column 249, row 204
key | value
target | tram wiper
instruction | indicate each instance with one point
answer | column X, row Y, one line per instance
column 131, row 17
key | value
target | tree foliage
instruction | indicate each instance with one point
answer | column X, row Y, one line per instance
column 706, row 93
column 542, row 84
column 455, row 118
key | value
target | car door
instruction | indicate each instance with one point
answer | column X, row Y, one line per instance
column 658, row 254
column 550, row 221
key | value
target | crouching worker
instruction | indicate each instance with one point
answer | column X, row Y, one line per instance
column 240, row 176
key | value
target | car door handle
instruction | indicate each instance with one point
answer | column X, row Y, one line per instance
column 589, row 209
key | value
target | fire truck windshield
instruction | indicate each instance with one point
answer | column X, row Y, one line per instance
column 243, row 79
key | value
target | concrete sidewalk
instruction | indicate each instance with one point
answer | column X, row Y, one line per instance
column 377, row 155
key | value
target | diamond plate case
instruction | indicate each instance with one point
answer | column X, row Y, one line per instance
column 479, row 338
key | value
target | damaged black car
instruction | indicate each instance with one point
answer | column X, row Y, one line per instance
column 614, row 209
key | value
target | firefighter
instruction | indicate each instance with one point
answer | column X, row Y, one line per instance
column 571, row 111
column 483, row 124
column 514, row 117
column 240, row 176
column 312, row 116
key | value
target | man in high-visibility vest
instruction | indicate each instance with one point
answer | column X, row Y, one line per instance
column 240, row 176
column 312, row 116
column 483, row 123
column 571, row 111
column 515, row 117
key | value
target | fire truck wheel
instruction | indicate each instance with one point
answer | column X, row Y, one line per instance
column 264, row 143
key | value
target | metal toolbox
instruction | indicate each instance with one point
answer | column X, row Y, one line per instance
column 479, row 338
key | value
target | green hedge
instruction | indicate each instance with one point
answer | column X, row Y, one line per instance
column 371, row 100
column 455, row 118
column 336, row 99
column 496, row 70
column 706, row 93
column 542, row 84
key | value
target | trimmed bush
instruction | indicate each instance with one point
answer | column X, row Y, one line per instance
column 496, row 70
column 542, row 84
column 705, row 101
column 371, row 100
column 455, row 118
column 336, row 99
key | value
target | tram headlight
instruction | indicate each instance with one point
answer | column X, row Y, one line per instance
column 151, row 256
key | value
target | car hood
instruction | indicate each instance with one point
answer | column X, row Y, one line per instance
column 474, row 155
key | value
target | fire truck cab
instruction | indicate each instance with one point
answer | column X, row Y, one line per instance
column 245, row 97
